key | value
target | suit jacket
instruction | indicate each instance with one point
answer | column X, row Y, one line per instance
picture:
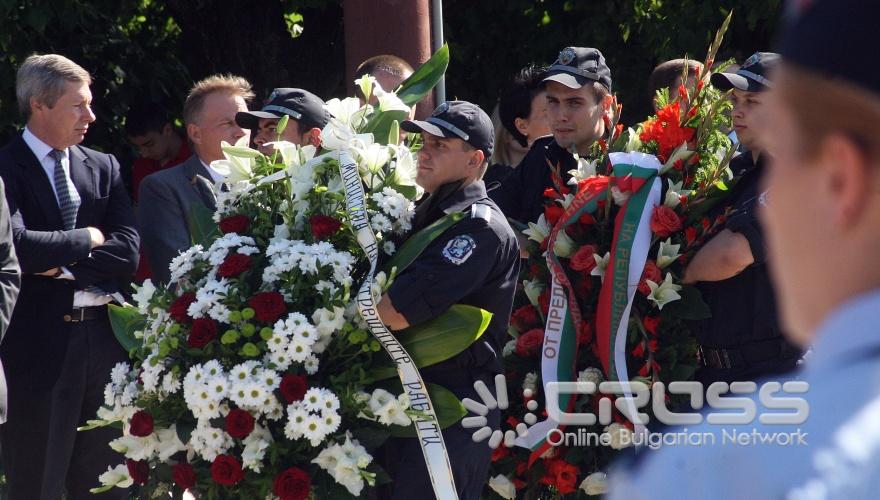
column 10, row 283
column 164, row 205
column 35, row 344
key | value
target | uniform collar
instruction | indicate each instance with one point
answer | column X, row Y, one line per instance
column 847, row 333
column 450, row 197
column 463, row 197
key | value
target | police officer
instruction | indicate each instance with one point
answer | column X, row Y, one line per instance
column 822, row 220
column 307, row 118
column 578, row 86
column 475, row 262
column 742, row 340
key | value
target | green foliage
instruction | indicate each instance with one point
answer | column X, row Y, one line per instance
column 125, row 321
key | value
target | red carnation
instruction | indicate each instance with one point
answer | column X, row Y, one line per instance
column 651, row 272
column 141, row 424
column 183, row 475
column 292, row 484
column 529, row 343
column 180, row 305
column 235, row 224
column 233, row 265
column 268, row 306
column 500, row 452
column 293, row 387
column 525, row 317
column 544, row 301
column 239, row 423
column 583, row 260
column 203, row 330
column 139, row 470
column 323, row 226
column 226, row 470
column 562, row 475
column 665, row 221
column 651, row 324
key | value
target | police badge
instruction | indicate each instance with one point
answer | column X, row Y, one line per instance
column 751, row 61
column 567, row 55
column 442, row 108
column 459, row 249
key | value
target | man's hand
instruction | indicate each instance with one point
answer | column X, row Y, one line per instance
column 389, row 315
column 50, row 273
column 97, row 236
column 723, row 257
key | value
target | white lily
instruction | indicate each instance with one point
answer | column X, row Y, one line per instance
column 338, row 135
column 538, row 232
column 169, row 443
column 388, row 101
column 293, row 155
column 348, row 111
column 585, row 170
column 566, row 200
column 665, row 292
column 503, row 486
column 601, row 264
column 667, row 253
column 595, row 484
column 366, row 84
column 372, row 157
column 633, row 143
column 563, row 246
column 533, row 290
column 681, row 153
column 405, row 167
column 674, row 194
column 238, row 165
column 114, row 477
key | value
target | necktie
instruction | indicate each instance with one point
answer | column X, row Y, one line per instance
column 68, row 197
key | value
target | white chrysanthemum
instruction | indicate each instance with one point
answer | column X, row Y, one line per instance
column 314, row 429
column 331, row 420
column 280, row 359
column 329, row 401
column 310, row 364
column 508, row 348
column 243, row 371
column 170, row 383
column 298, row 351
column 389, row 248
column 268, row 378
column 119, row 374
column 209, row 442
column 143, row 294
column 296, row 421
column 313, row 399
column 212, row 368
column 255, row 394
column 183, row 263
column 218, row 387
column 380, row 223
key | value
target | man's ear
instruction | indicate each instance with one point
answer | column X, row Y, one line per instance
column 848, row 180
column 313, row 137
column 522, row 125
column 193, row 132
column 36, row 105
column 477, row 158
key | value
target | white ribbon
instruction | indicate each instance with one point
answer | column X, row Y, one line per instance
column 427, row 425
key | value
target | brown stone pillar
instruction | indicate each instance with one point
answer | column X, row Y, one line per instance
column 398, row 27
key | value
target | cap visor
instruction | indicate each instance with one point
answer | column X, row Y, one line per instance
column 727, row 81
column 251, row 119
column 423, row 126
column 567, row 79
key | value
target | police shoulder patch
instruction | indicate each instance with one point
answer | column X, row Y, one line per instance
column 459, row 249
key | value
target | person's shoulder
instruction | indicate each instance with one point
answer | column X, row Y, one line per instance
column 485, row 215
column 93, row 155
column 170, row 175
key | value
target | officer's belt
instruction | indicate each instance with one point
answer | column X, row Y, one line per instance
column 746, row 355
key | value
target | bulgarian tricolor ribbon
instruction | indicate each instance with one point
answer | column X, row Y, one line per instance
column 629, row 252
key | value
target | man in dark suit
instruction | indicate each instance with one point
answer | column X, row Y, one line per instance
column 166, row 197
column 74, row 234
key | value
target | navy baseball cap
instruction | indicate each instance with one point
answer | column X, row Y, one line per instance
column 834, row 38
column 296, row 103
column 578, row 66
column 753, row 76
column 458, row 119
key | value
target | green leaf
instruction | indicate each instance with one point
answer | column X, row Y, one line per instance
column 371, row 438
column 381, row 123
column 416, row 244
column 447, row 406
column 691, row 306
column 125, row 320
column 184, row 431
column 425, row 78
column 202, row 228
column 439, row 339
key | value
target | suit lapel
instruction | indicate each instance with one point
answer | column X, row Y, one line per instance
column 38, row 182
column 84, row 177
column 200, row 181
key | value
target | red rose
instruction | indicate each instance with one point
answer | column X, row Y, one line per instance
column 500, row 452
column 293, row 387
column 583, row 259
column 529, row 343
column 138, row 470
column 691, row 235
column 183, row 475
column 226, row 470
column 141, row 424
column 525, row 317
column 180, row 305
column 268, row 306
column 651, row 324
column 239, row 423
column 323, row 226
column 203, row 330
column 235, row 224
column 665, row 221
column 292, row 484
column 651, row 272
column 552, row 213
column 544, row 301
column 233, row 265
column 639, row 350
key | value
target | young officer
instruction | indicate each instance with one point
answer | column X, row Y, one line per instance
column 307, row 118
column 475, row 262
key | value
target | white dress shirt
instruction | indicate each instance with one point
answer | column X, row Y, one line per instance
column 42, row 151
column 215, row 176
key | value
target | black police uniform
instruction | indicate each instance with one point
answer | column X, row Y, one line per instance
column 742, row 340
column 474, row 262
column 521, row 194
